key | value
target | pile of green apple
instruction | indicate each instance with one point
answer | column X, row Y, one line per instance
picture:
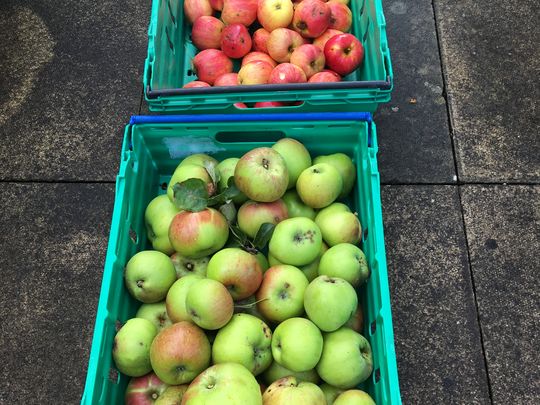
column 249, row 294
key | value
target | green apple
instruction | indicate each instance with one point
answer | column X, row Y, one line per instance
column 226, row 171
column 200, row 159
column 252, row 214
column 179, row 353
column 144, row 390
column 185, row 266
column 155, row 313
column 330, row 392
column 237, row 270
column 158, row 216
column 296, row 207
column 131, row 347
column 263, row 262
column 175, row 301
column 340, row 227
column 296, row 156
column 190, row 171
column 345, row 261
column 319, row 185
column 261, row 174
column 323, row 213
column 354, row 397
column 344, row 166
column 149, row 275
column 244, row 340
column 289, row 390
column 281, row 295
column 172, row 395
column 297, row 344
column 310, row 270
column 224, row 384
column 277, row 371
column 296, row 241
column 209, row 304
column 346, row 359
column 330, row 302
column 198, row 234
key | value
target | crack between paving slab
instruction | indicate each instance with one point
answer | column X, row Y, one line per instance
column 460, row 183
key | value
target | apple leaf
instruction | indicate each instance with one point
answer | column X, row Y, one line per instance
column 226, row 196
column 212, row 172
column 263, row 235
column 191, row 195
column 229, row 211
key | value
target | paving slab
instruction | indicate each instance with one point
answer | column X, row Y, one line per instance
column 71, row 77
column 414, row 137
column 53, row 242
column 437, row 337
column 492, row 60
column 503, row 231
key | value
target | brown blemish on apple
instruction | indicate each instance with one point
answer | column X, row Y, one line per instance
column 140, row 283
column 265, row 163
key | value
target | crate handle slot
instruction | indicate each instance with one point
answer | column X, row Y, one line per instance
column 251, row 136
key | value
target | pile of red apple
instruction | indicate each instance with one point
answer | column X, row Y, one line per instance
column 298, row 42
column 249, row 294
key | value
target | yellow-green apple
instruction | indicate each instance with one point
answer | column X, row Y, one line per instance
column 309, row 58
column 281, row 295
column 296, row 241
column 218, row 4
column 131, row 347
column 253, row 56
column 198, row 234
column 244, row 340
column 179, row 353
column 274, row 14
column 325, row 36
column 277, row 371
column 252, row 214
column 254, row 72
column 344, row 166
column 172, row 395
column 290, row 390
column 185, row 266
column 331, row 209
column 297, row 344
column 339, row 227
column 340, row 16
column 287, row 73
column 296, row 156
column 311, row 18
column 354, row 397
column 209, row 64
column 144, row 390
column 226, row 168
column 224, row 384
column 319, row 185
column 344, row 53
column 330, row 392
column 194, row 9
column 346, row 261
column 206, row 32
column 356, row 321
column 296, row 207
column 310, row 270
column 346, row 359
column 261, row 174
column 261, row 258
column 201, row 159
column 282, row 42
column 158, row 216
column 185, row 171
column 209, row 313
column 176, row 298
column 149, row 275
column 269, row 104
column 227, row 79
column 324, row 76
column 155, row 313
column 239, row 271
column 330, row 302
column 259, row 40
column 239, row 12
column 235, row 40
column 195, row 83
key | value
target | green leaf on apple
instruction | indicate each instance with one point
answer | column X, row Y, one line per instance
column 263, row 235
column 191, row 195
column 212, row 172
column 238, row 235
column 229, row 211
column 226, row 196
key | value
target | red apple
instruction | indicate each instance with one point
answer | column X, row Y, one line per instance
column 144, row 390
column 206, row 32
column 240, row 105
column 340, row 16
column 344, row 53
column 269, row 104
column 239, row 12
column 325, row 76
column 195, row 83
column 218, row 4
column 311, row 18
column 282, row 43
column 235, row 41
column 256, row 72
column 227, row 79
column 194, row 9
column 309, row 58
column 252, row 214
column 274, row 14
column 287, row 73
column 326, row 35
column 210, row 64
column 260, row 37
column 252, row 56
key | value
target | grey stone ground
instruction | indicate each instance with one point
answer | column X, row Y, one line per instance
column 461, row 193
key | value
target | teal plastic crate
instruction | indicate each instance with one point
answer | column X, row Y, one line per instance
column 168, row 68
column 152, row 148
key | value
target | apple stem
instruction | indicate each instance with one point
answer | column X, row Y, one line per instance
column 248, row 306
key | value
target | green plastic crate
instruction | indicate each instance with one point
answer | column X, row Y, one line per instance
column 168, row 68
column 151, row 152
